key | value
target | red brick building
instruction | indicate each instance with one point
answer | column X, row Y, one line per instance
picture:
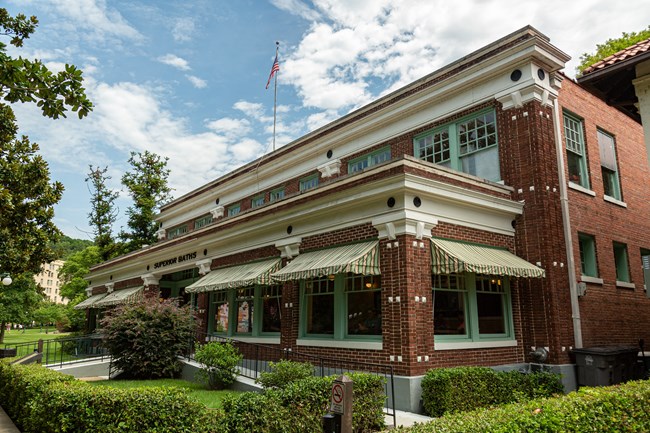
column 489, row 209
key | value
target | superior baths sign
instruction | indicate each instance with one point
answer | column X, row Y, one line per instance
column 174, row 260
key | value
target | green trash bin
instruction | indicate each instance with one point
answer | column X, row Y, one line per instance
column 604, row 366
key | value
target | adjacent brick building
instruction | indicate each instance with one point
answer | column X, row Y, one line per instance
column 489, row 209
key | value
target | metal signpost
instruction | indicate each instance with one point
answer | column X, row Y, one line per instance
column 340, row 418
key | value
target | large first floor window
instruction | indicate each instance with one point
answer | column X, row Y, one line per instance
column 253, row 311
column 341, row 306
column 472, row 307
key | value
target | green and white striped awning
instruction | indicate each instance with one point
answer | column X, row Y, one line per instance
column 236, row 276
column 89, row 302
column 453, row 256
column 124, row 296
column 361, row 258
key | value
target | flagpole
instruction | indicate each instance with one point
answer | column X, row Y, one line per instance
column 275, row 93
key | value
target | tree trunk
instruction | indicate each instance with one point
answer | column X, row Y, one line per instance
column 3, row 326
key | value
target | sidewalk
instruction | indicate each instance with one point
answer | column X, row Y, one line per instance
column 6, row 425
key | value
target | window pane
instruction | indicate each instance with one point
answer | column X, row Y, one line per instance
column 620, row 258
column 484, row 164
column 271, row 312
column 277, row 194
column 574, row 162
column 449, row 305
column 319, row 299
column 244, row 304
column 588, row 255
column 221, row 317
column 491, row 319
column 363, row 305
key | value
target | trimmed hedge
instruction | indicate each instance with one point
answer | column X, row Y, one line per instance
column 44, row 401
column 462, row 389
column 299, row 407
column 620, row 408
column 284, row 372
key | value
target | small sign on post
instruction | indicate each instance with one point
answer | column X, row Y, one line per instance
column 341, row 403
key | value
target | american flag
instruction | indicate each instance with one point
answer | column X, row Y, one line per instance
column 275, row 68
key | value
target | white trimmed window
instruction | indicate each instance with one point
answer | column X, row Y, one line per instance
column 608, row 165
column 469, row 145
column 472, row 307
column 342, row 306
column 309, row 182
column 377, row 157
column 276, row 194
column 575, row 151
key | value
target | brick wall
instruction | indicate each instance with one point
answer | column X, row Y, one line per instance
column 611, row 315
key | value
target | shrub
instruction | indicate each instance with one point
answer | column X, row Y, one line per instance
column 621, row 408
column 468, row 388
column 284, row 372
column 45, row 401
column 20, row 384
column 300, row 405
column 219, row 363
column 146, row 339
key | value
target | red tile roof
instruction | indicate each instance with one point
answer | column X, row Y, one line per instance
column 627, row 53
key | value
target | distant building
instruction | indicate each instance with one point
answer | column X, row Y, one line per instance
column 489, row 212
column 48, row 279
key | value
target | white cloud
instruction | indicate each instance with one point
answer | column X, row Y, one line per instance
column 251, row 109
column 297, row 7
column 175, row 61
column 183, row 30
column 229, row 126
column 197, row 82
column 94, row 17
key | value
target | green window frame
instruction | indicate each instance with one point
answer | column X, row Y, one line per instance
column 341, row 307
column 469, row 145
column 309, row 182
column 254, row 311
column 588, row 260
column 276, row 194
column 177, row 231
column 609, row 166
column 202, row 221
column 575, row 150
column 234, row 209
column 257, row 201
column 621, row 262
column 377, row 157
column 472, row 307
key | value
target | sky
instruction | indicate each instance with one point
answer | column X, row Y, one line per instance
column 186, row 79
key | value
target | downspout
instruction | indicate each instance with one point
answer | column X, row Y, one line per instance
column 566, row 225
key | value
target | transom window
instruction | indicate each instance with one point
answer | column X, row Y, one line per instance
column 202, row 222
column 609, row 168
column 234, row 209
column 257, row 201
column 472, row 307
column 374, row 158
column 309, row 182
column 469, row 145
column 175, row 232
column 276, row 194
column 575, row 151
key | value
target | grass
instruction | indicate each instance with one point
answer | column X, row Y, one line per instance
column 210, row 398
column 17, row 336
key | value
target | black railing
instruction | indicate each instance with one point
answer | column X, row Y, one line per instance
column 63, row 350
column 256, row 358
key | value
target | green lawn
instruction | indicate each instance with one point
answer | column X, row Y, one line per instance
column 17, row 336
column 209, row 398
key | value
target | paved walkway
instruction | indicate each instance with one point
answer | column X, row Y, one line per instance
column 6, row 425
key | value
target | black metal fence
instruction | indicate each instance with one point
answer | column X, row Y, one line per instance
column 63, row 350
column 256, row 358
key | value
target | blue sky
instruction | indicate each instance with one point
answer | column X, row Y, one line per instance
column 186, row 79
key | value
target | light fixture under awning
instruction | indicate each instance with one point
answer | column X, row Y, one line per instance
column 236, row 276
column 361, row 258
column 453, row 257
column 124, row 296
column 89, row 302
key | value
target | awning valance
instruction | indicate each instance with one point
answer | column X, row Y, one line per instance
column 452, row 256
column 124, row 296
column 236, row 276
column 361, row 258
column 89, row 302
